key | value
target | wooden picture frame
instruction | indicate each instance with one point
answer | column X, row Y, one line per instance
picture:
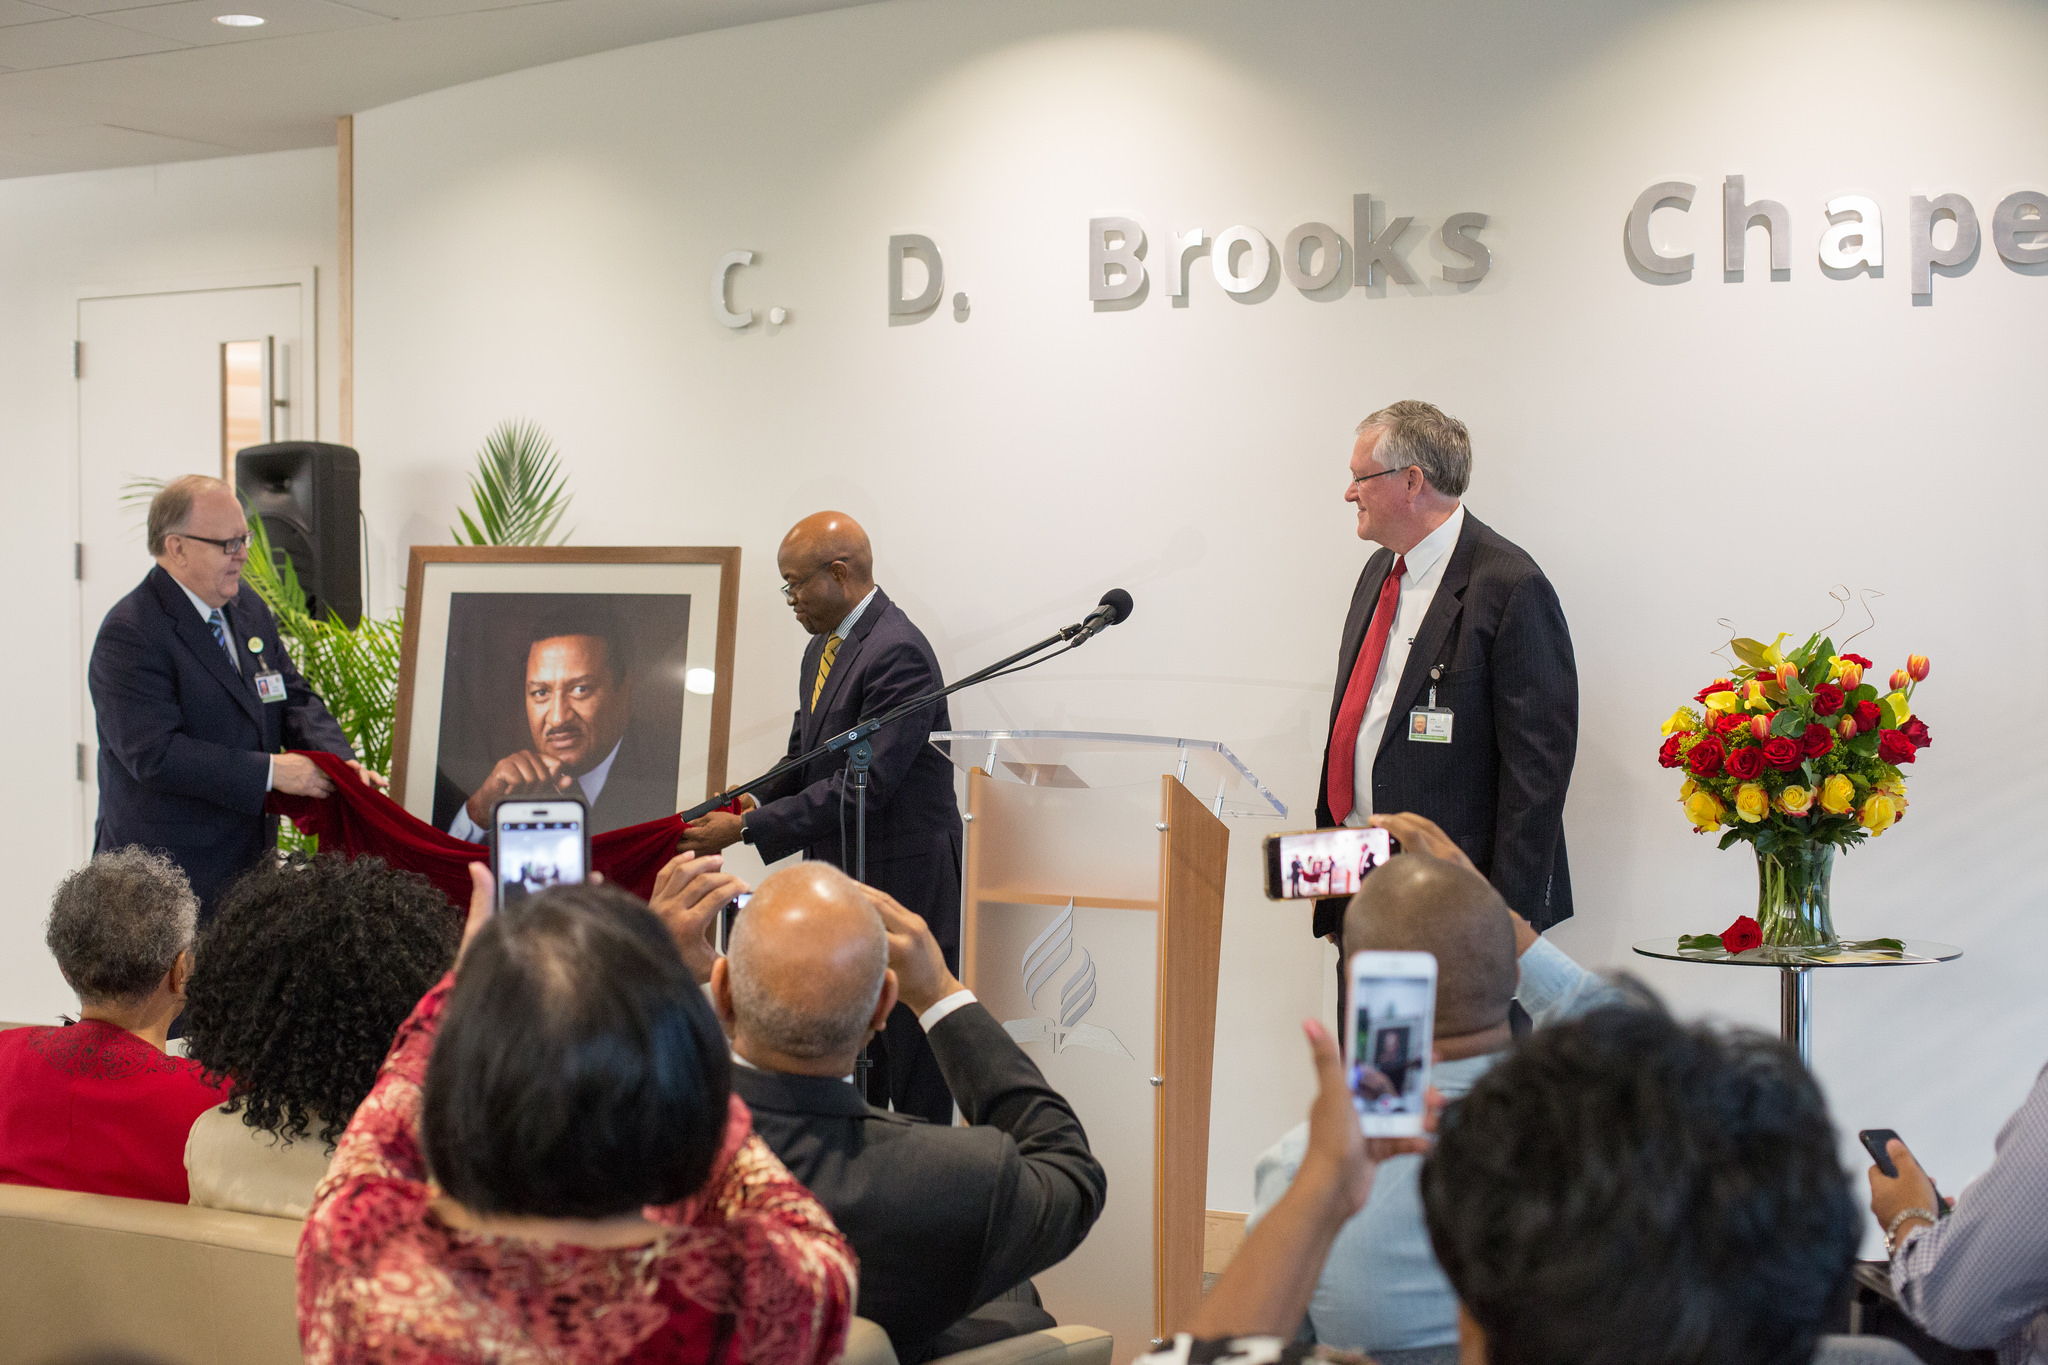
column 435, row 574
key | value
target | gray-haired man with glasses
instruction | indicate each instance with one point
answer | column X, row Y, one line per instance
column 196, row 700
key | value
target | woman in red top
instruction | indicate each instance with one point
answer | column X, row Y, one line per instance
column 551, row 1168
column 97, row 1105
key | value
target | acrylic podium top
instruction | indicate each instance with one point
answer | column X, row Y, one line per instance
column 1081, row 758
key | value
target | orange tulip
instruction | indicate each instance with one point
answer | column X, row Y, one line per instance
column 1916, row 667
column 1786, row 673
column 1760, row 728
column 1899, row 680
column 1852, row 676
column 1847, row 729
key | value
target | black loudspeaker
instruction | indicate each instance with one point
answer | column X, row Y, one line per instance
column 309, row 496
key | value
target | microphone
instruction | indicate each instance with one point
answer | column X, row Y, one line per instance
column 1114, row 609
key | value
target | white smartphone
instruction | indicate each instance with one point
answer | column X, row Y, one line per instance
column 1388, row 1039
column 538, row 844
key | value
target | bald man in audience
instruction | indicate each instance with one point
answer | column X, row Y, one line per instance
column 1381, row 1289
column 950, row 1222
column 865, row 658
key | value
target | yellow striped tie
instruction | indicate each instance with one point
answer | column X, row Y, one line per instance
column 824, row 669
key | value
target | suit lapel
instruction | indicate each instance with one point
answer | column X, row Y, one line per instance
column 198, row 637
column 842, row 663
column 1436, row 627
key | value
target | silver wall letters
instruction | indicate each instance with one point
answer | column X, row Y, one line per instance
column 922, row 247
column 1376, row 252
column 2025, row 212
column 1920, row 223
column 1736, row 218
column 1857, row 242
column 1678, row 195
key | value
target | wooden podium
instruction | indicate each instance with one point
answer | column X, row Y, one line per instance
column 1091, row 926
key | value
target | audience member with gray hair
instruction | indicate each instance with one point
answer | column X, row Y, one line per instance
column 950, row 1222
column 99, row 1105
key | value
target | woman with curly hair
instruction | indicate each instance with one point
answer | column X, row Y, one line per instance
column 301, row 982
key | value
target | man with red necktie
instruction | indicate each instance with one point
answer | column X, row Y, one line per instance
column 1457, row 696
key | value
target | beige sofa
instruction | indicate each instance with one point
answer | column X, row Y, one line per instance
column 202, row 1287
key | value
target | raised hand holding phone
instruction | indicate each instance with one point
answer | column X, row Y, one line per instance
column 1388, row 1040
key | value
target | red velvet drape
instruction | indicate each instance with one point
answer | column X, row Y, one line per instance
column 359, row 819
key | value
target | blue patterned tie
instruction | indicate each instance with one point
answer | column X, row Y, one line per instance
column 220, row 633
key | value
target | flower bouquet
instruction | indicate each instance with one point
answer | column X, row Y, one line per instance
column 1797, row 755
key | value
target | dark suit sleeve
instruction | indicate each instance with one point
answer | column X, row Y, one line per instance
column 308, row 724
column 135, row 695
column 1051, row 1188
column 889, row 676
column 1536, row 724
column 791, row 782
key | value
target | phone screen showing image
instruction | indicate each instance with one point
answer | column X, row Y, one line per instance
column 1387, row 1044
column 539, row 844
column 1322, row 862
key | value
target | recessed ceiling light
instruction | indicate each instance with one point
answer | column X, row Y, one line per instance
column 238, row 20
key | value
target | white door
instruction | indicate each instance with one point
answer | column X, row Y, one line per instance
column 151, row 405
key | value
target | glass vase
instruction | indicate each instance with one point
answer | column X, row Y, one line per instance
column 1792, row 895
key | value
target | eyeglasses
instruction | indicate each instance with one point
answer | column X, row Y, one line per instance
column 790, row 590
column 230, row 547
column 1368, row 478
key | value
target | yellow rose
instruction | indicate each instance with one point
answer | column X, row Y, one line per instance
column 1705, row 810
column 1795, row 800
column 1901, row 713
column 1752, row 802
column 1687, row 788
column 1877, row 813
column 1892, row 789
column 1726, row 702
column 1837, row 795
column 1682, row 722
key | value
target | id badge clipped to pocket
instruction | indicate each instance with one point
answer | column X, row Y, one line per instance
column 270, row 685
column 1430, row 724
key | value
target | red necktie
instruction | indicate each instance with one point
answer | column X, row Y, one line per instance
column 1350, row 715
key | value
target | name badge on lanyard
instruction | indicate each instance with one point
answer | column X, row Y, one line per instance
column 270, row 685
column 1431, row 724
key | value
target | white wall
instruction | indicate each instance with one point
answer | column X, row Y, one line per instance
column 139, row 227
column 541, row 244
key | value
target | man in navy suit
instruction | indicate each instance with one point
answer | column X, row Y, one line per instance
column 865, row 658
column 196, row 700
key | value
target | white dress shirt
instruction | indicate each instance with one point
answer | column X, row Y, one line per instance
column 1418, row 589
column 845, row 626
column 462, row 827
column 206, row 615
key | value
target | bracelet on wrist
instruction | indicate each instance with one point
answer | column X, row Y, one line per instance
column 1891, row 1231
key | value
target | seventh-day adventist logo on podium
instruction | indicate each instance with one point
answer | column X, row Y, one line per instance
column 1049, row 952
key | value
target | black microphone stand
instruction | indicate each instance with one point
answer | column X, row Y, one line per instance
column 860, row 755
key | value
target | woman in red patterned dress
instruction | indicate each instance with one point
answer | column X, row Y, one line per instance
column 551, row 1168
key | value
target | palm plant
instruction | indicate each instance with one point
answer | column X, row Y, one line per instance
column 519, row 490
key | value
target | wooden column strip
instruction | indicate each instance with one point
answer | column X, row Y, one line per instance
column 345, row 273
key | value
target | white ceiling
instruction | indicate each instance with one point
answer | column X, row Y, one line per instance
column 88, row 84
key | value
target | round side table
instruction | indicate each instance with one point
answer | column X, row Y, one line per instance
column 1796, row 968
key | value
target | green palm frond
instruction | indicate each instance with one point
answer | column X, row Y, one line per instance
column 519, row 490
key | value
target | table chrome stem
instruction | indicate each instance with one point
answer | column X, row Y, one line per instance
column 1795, row 1009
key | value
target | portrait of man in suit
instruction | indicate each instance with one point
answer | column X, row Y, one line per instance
column 598, row 715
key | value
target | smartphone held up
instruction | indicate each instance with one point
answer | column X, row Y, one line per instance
column 536, row 844
column 1388, row 1038
column 1322, row 862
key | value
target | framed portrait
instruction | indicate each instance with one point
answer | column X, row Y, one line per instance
column 607, row 666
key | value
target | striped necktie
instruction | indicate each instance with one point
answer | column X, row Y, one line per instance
column 824, row 670
column 220, row 633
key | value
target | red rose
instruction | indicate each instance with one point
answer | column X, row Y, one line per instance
column 1705, row 758
column 1745, row 763
column 1818, row 740
column 1866, row 716
column 1894, row 747
column 1916, row 731
column 1668, row 756
column 1717, row 685
column 1782, row 752
column 1732, row 721
column 1858, row 659
column 1827, row 699
column 1742, row 935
